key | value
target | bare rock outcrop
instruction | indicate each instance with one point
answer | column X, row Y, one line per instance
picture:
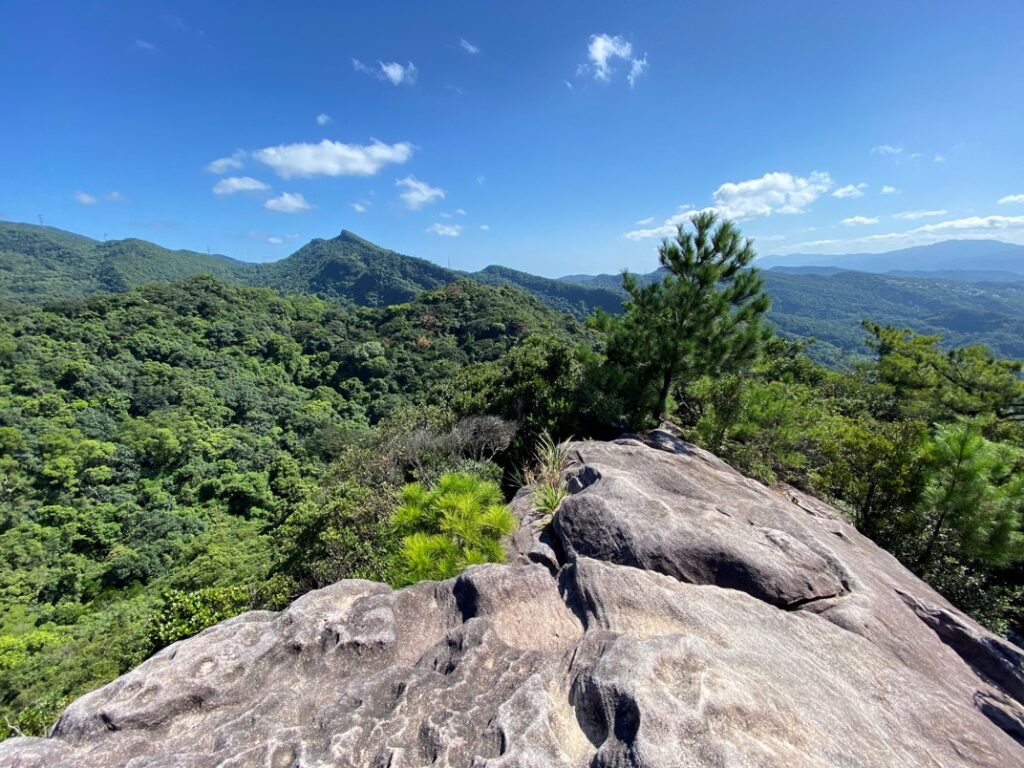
column 674, row 613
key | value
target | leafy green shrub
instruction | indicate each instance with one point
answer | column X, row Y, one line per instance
column 186, row 613
column 457, row 523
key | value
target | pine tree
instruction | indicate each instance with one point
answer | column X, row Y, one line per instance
column 703, row 318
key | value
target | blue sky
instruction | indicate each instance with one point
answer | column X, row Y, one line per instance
column 548, row 136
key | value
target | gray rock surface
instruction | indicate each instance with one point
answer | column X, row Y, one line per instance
column 674, row 613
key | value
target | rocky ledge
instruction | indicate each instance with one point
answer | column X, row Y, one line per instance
column 675, row 613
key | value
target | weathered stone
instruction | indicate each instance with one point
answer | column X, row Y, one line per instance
column 674, row 614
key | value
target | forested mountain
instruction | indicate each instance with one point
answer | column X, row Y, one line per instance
column 38, row 264
column 42, row 263
column 828, row 304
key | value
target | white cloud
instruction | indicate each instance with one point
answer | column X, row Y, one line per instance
column 567, row 84
column 481, row 180
column 232, row 162
column 644, row 222
column 111, row 197
column 324, row 119
column 332, row 158
column 859, row 221
column 915, row 155
column 392, row 71
column 940, row 159
column 815, row 243
column 1011, row 199
column 143, row 45
column 360, row 207
column 636, row 68
column 604, row 49
column 912, row 215
column 233, row 184
column 468, row 47
column 781, row 193
column 887, row 190
column 397, row 74
column 418, row 193
column 668, row 228
column 886, row 149
column 287, row 202
column 974, row 223
column 772, row 193
column 1006, row 228
column 485, row 227
column 851, row 190
column 445, row 230
column 274, row 240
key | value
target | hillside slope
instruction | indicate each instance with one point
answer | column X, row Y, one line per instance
column 41, row 264
column 705, row 620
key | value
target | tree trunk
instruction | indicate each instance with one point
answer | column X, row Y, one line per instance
column 666, row 384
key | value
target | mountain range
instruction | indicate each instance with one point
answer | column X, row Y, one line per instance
column 824, row 301
column 968, row 260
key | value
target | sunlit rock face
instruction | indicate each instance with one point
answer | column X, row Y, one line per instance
column 673, row 613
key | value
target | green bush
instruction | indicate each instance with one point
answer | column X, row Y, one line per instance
column 457, row 523
column 186, row 613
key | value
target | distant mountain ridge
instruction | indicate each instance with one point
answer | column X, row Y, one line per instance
column 947, row 256
column 823, row 302
column 40, row 264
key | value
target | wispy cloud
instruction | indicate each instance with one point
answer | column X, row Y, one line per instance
column 324, row 119
column 287, row 202
column 360, row 206
column 233, row 184
column 332, row 158
column 914, row 215
column 392, row 71
column 233, row 162
column 418, row 193
column 644, row 222
column 445, row 230
column 859, row 221
column 1007, row 228
column 939, row 159
column 485, row 227
column 851, row 190
column 143, row 45
column 886, row 149
column 975, row 223
column 84, row 198
column 468, row 47
column 887, row 190
column 603, row 50
column 1011, row 199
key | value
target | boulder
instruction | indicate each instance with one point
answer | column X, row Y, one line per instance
column 672, row 613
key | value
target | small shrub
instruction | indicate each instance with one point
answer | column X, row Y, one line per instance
column 546, row 498
column 544, row 476
column 457, row 523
